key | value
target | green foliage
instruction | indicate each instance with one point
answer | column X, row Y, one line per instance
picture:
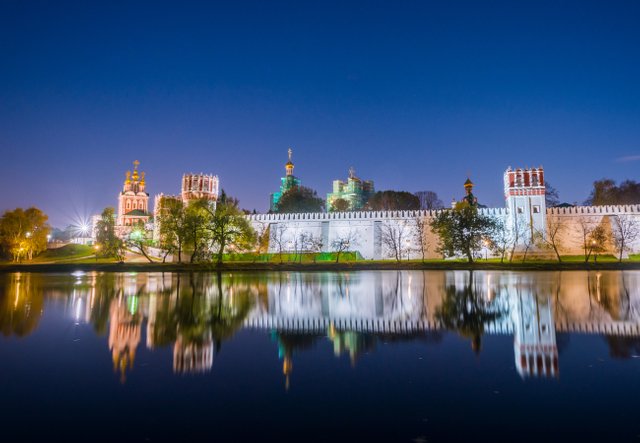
column 109, row 244
column 172, row 223
column 23, row 233
column 227, row 226
column 300, row 199
column 339, row 205
column 462, row 230
column 393, row 201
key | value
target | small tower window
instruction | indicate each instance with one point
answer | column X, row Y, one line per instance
column 536, row 209
column 520, row 210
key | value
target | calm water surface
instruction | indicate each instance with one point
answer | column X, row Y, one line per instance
column 355, row 356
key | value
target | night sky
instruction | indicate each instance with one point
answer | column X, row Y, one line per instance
column 414, row 94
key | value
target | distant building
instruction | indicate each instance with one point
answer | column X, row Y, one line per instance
column 287, row 182
column 354, row 191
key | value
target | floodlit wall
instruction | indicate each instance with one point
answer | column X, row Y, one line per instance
column 573, row 219
column 366, row 231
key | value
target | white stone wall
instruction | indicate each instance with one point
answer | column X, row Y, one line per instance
column 367, row 226
column 364, row 227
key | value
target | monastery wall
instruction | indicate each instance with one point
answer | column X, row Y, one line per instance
column 572, row 221
column 367, row 228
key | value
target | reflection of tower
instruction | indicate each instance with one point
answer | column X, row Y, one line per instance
column 352, row 342
column 124, row 334
column 535, row 349
column 287, row 368
column 193, row 356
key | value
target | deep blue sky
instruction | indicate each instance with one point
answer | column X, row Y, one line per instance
column 414, row 95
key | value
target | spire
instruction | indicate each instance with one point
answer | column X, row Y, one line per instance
column 352, row 172
column 289, row 165
column 135, row 170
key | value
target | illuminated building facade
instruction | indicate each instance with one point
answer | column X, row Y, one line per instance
column 354, row 191
column 288, row 182
column 133, row 201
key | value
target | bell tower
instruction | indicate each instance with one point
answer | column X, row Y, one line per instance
column 133, row 201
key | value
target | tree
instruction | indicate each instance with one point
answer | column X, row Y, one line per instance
column 393, row 201
column 23, row 233
column 606, row 192
column 263, row 233
column 110, row 244
column 421, row 231
column 625, row 232
column 300, row 199
column 343, row 242
column 462, row 230
column 598, row 240
column 173, row 226
column 197, row 234
column 340, row 205
column 550, row 195
column 429, row 200
column 551, row 239
column 228, row 226
column 312, row 244
column 502, row 241
column 394, row 236
column 586, row 226
column 139, row 240
column 278, row 238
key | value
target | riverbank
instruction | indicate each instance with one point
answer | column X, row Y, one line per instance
column 324, row 266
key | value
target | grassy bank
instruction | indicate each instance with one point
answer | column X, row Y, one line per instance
column 321, row 266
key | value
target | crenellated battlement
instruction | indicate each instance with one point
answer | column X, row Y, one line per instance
column 595, row 210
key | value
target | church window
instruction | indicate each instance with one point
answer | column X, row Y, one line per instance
column 536, row 209
column 128, row 205
column 520, row 210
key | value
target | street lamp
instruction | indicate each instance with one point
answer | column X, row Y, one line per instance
column 97, row 248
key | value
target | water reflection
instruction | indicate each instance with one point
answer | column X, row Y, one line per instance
column 195, row 314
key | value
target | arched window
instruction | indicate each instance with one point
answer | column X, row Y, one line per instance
column 128, row 205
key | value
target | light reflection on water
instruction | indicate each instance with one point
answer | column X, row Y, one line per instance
column 355, row 313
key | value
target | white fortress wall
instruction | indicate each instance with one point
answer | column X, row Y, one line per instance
column 364, row 228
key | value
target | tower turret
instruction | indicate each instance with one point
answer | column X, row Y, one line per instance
column 524, row 193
